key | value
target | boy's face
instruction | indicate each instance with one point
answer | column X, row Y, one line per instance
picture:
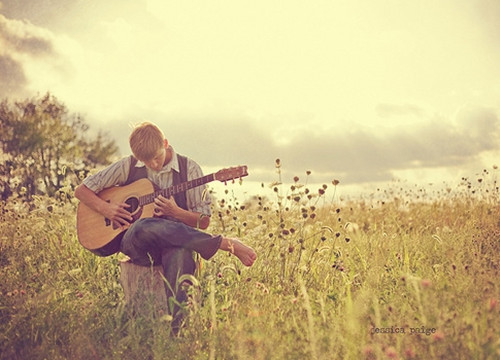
column 157, row 162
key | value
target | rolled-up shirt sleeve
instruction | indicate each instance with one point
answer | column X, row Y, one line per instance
column 114, row 174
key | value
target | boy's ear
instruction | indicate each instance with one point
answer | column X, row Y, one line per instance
column 166, row 143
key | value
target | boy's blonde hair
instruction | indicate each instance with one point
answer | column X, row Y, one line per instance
column 146, row 140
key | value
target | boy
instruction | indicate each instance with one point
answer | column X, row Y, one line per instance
column 170, row 237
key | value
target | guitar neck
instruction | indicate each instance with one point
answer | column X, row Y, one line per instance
column 175, row 189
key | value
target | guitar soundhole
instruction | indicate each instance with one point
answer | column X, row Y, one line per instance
column 134, row 204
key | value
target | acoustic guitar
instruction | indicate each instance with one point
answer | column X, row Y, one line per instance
column 101, row 236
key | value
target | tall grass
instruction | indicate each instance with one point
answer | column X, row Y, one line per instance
column 335, row 279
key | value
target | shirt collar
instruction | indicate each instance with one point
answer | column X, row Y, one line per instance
column 173, row 164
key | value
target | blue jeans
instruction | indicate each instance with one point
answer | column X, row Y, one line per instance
column 170, row 244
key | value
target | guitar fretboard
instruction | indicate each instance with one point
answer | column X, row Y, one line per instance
column 175, row 189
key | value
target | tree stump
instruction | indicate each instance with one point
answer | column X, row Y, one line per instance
column 143, row 286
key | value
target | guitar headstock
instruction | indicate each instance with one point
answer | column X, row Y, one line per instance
column 232, row 173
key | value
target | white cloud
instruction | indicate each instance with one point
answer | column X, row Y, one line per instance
column 351, row 88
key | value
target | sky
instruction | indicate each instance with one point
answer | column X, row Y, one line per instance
column 358, row 91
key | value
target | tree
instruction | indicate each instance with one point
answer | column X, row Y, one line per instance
column 45, row 149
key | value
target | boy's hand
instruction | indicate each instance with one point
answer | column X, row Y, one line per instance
column 118, row 214
column 166, row 206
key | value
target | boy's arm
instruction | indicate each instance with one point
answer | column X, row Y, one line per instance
column 114, row 174
column 116, row 212
column 169, row 207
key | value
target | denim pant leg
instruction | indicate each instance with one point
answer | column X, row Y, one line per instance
column 171, row 244
column 153, row 235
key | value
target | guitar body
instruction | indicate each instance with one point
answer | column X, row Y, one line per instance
column 100, row 235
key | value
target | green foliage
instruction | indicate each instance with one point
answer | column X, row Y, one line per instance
column 44, row 149
column 335, row 279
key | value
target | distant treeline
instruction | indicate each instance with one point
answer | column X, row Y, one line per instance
column 45, row 150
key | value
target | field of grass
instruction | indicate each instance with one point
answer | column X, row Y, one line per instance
column 397, row 274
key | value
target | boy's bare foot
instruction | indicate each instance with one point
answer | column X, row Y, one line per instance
column 243, row 252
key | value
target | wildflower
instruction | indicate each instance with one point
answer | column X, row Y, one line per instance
column 296, row 178
column 391, row 352
column 368, row 351
column 438, row 336
column 409, row 353
column 335, row 182
column 493, row 303
column 426, row 283
column 308, row 172
column 347, row 239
